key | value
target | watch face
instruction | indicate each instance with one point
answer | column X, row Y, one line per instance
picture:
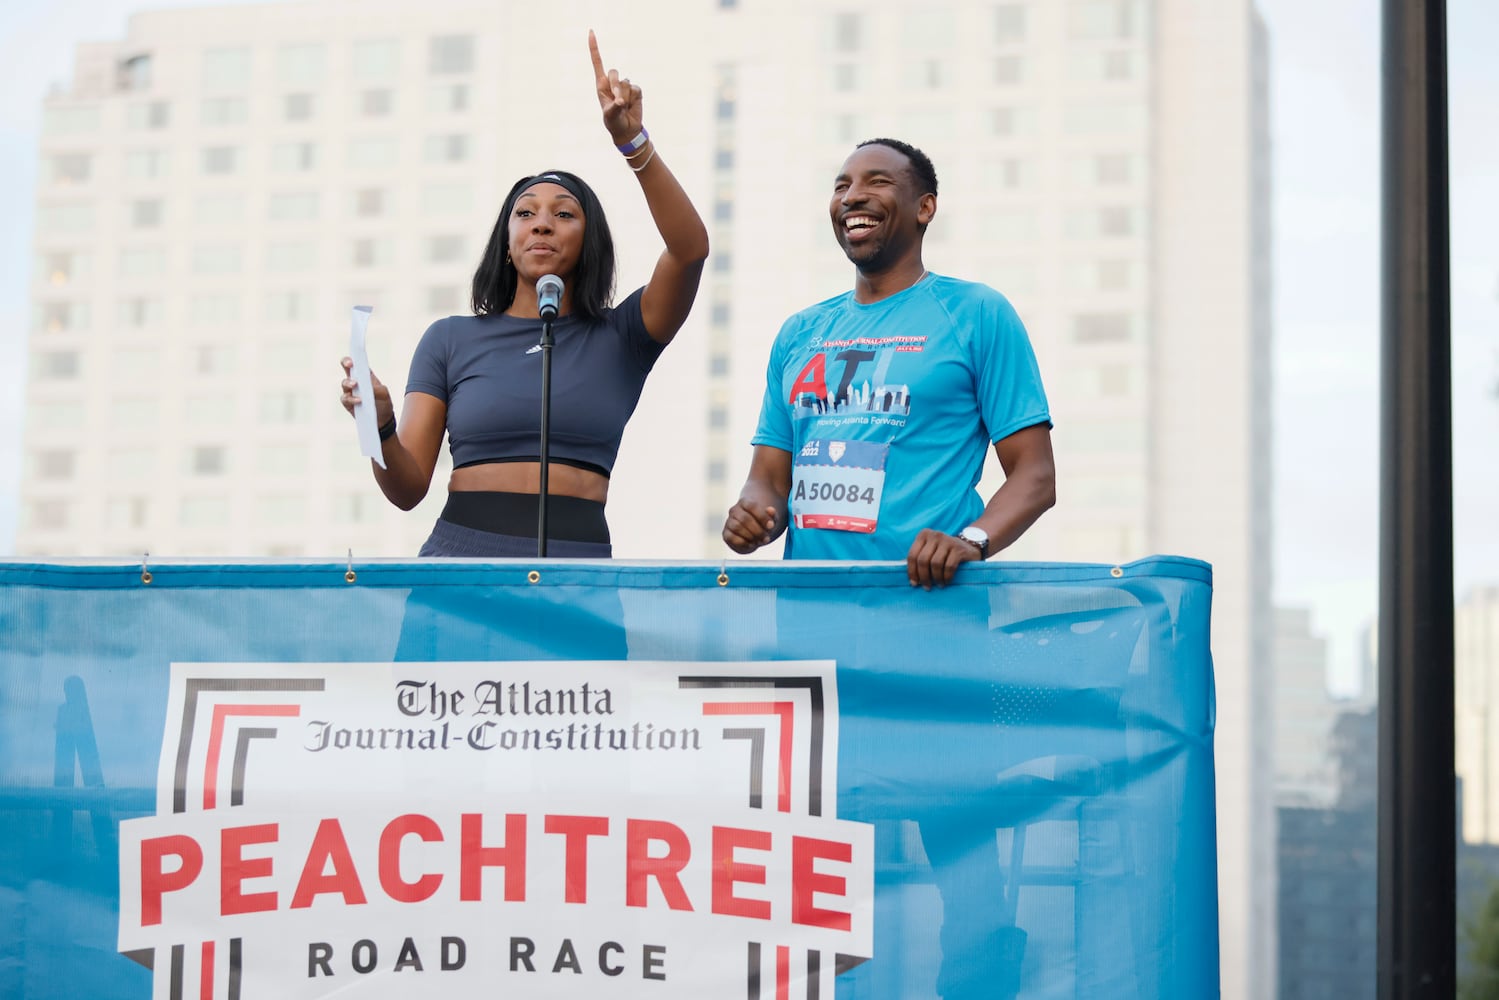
column 977, row 536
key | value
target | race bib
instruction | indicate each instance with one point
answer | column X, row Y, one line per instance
column 836, row 485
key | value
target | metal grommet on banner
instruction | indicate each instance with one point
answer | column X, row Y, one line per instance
column 145, row 568
column 533, row 577
column 349, row 575
column 1116, row 572
column 723, row 574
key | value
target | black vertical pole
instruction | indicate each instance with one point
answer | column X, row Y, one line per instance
column 1417, row 785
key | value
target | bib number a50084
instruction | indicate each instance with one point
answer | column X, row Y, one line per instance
column 836, row 485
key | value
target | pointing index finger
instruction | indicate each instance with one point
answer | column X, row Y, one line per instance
column 593, row 50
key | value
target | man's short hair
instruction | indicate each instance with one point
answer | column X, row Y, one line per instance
column 921, row 164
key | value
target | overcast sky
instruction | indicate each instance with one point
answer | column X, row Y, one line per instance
column 1325, row 127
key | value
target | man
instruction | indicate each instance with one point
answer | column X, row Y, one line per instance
column 879, row 402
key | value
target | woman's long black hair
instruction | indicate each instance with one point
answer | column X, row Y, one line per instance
column 592, row 281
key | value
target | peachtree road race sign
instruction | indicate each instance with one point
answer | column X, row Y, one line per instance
column 497, row 829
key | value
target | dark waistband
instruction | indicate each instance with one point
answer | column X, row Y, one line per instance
column 571, row 518
column 575, row 463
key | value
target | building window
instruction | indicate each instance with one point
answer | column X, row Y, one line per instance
column 1102, row 328
column 148, row 115
column 53, row 464
column 207, row 460
column 376, row 59
column 139, row 311
column 226, row 68
column 298, row 107
column 1009, row 23
column 66, row 217
column 450, row 54
column 370, row 252
column 204, row 512
column 723, row 159
column 845, row 77
column 720, row 314
column 447, row 199
column 446, row 248
column 372, row 152
column 212, row 359
column 215, row 309
column 289, row 307
column 293, row 206
column 219, row 210
column 122, row 513
column 376, row 103
column 71, row 121
column 57, row 364
column 281, row 510
column 61, row 317
column 444, row 299
column 294, row 157
column 718, row 364
column 293, row 256
column 299, row 65
column 50, row 515
column 284, row 407
column 71, row 168
column 722, row 262
column 225, row 111
column 1098, row 19
column 62, row 267
column 1115, row 221
column 1008, row 70
column 145, row 213
column 220, row 160
column 847, row 31
column 145, row 164
column 1114, row 275
column 446, row 148
column 142, row 262
column 216, row 258
column 1113, row 168
column 1118, row 66
column 369, row 203
column 446, row 98
column 718, row 417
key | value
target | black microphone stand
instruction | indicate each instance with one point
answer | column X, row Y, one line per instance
column 546, row 442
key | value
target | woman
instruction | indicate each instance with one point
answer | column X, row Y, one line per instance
column 477, row 378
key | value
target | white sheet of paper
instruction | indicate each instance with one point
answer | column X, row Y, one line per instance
column 364, row 410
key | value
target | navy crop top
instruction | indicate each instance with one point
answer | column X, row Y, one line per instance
column 486, row 371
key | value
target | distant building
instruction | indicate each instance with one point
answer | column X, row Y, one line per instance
column 1476, row 725
column 1328, row 877
column 1305, row 772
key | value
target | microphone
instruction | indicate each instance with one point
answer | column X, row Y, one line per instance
column 549, row 295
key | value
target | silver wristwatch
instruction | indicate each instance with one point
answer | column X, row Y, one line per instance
column 976, row 536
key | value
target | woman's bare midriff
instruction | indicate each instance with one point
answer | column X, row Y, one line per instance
column 525, row 477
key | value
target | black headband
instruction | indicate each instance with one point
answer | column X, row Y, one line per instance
column 552, row 177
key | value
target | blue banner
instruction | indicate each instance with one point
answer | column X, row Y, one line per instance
column 565, row 779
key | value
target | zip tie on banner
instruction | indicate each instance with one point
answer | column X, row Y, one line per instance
column 349, row 574
column 146, row 568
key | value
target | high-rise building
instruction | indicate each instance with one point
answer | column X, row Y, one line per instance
column 1476, row 726
column 220, row 186
column 1306, row 773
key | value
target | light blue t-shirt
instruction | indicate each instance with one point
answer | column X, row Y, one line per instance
column 888, row 410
